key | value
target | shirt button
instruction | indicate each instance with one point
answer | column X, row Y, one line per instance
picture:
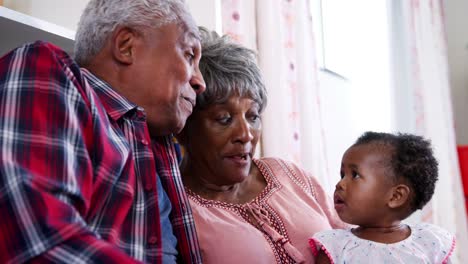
column 148, row 187
column 152, row 240
column 144, row 142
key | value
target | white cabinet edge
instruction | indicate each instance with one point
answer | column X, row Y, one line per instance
column 17, row 29
column 36, row 23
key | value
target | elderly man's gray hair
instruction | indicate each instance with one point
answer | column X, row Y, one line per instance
column 228, row 69
column 101, row 17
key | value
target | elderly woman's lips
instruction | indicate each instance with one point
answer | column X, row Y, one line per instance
column 238, row 159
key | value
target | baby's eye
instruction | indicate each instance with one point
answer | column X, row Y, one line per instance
column 355, row 174
column 342, row 175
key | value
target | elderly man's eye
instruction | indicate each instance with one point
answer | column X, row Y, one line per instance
column 190, row 56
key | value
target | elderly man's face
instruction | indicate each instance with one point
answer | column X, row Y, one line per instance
column 167, row 77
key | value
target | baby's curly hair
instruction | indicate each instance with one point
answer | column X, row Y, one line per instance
column 412, row 158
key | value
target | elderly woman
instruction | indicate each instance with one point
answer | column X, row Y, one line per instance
column 246, row 210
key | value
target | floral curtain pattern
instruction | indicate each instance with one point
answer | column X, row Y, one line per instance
column 292, row 121
column 238, row 21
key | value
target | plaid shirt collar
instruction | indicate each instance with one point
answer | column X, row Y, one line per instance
column 115, row 104
column 182, row 220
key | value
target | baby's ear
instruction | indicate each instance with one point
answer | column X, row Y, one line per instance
column 399, row 196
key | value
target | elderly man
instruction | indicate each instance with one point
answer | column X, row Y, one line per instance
column 88, row 171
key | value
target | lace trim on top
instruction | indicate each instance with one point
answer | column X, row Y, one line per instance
column 272, row 185
column 261, row 216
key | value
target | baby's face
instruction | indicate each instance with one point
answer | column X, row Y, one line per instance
column 362, row 194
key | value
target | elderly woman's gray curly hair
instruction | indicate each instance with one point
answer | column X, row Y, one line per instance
column 228, row 69
column 101, row 17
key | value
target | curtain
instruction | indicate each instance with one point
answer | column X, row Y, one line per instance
column 238, row 21
column 281, row 32
column 421, row 76
column 293, row 127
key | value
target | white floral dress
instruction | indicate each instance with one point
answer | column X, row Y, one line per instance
column 426, row 244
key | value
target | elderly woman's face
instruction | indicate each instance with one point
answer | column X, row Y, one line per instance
column 221, row 139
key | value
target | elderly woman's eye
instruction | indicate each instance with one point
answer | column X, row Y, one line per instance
column 255, row 118
column 224, row 120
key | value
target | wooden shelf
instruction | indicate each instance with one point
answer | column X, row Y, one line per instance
column 17, row 29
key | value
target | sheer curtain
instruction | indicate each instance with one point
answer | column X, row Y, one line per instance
column 281, row 32
column 421, row 80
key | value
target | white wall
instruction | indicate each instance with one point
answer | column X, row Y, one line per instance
column 457, row 37
column 66, row 13
column 207, row 13
column 337, row 112
column 362, row 101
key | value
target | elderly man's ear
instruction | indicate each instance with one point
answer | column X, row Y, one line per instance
column 123, row 48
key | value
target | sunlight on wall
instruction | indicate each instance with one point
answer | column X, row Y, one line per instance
column 356, row 46
column 207, row 13
column 355, row 81
column 370, row 67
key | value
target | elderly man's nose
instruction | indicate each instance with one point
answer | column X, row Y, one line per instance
column 197, row 82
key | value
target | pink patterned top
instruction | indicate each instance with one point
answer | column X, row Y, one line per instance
column 274, row 227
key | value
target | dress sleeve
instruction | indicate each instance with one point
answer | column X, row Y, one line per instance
column 442, row 241
column 330, row 242
column 46, row 172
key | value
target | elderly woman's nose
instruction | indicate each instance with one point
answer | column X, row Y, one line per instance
column 243, row 131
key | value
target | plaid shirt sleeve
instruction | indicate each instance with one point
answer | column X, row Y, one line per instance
column 46, row 172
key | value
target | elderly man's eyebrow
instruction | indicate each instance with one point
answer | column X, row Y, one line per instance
column 190, row 30
column 195, row 34
column 189, row 35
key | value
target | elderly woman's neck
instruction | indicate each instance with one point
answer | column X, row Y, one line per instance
column 237, row 193
column 221, row 193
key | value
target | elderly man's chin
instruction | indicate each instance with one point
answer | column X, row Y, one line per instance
column 167, row 127
column 185, row 110
column 181, row 120
column 173, row 123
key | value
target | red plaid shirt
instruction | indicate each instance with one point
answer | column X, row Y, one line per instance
column 78, row 169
